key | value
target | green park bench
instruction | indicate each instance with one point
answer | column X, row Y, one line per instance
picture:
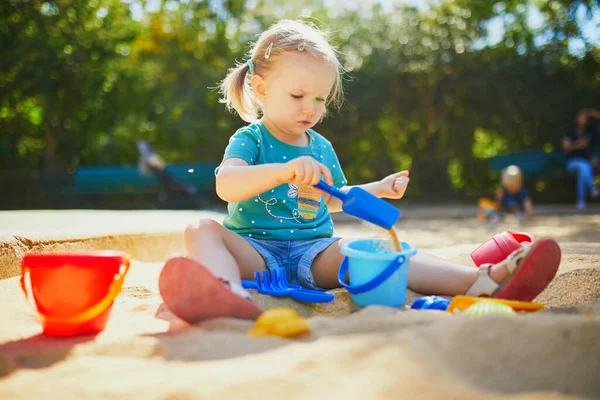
column 534, row 164
column 88, row 182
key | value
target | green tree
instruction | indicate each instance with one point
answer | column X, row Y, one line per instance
column 81, row 80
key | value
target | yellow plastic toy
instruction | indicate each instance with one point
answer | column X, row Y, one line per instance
column 488, row 204
column 486, row 307
column 280, row 321
column 464, row 302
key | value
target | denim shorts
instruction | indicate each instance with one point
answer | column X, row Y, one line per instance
column 296, row 256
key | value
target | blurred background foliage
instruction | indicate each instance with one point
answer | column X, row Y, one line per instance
column 434, row 86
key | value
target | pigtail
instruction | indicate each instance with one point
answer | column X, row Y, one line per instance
column 237, row 94
column 285, row 36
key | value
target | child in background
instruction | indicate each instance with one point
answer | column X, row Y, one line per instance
column 277, row 219
column 513, row 198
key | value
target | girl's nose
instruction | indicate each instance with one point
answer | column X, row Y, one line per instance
column 308, row 110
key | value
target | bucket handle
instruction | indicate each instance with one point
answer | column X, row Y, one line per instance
column 376, row 281
column 92, row 312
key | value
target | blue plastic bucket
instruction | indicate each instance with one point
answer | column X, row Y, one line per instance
column 378, row 275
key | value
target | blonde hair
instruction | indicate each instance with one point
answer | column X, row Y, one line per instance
column 283, row 37
column 512, row 173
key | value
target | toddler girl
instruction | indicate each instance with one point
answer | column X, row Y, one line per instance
column 277, row 219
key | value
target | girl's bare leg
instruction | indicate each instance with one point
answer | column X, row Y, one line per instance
column 224, row 253
column 427, row 274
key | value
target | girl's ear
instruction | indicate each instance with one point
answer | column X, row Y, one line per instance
column 259, row 87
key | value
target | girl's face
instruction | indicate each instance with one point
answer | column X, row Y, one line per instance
column 294, row 94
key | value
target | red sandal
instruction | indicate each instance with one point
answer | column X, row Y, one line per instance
column 531, row 268
column 194, row 294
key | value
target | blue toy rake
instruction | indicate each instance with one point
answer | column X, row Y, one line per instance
column 274, row 283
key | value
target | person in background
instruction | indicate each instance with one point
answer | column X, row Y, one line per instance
column 578, row 144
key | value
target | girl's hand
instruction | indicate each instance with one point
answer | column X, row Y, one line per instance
column 304, row 170
column 394, row 186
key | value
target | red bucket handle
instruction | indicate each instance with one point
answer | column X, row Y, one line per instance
column 113, row 291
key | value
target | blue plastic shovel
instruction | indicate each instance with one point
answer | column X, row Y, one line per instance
column 361, row 204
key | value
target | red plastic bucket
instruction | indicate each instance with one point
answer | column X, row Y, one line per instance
column 499, row 247
column 73, row 293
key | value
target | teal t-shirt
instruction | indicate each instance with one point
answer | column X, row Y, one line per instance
column 286, row 212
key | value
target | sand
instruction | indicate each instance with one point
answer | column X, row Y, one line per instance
column 147, row 353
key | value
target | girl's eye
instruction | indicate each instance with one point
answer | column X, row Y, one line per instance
column 297, row 96
column 320, row 99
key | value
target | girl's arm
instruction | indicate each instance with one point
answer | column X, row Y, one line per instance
column 238, row 181
column 391, row 187
column 335, row 205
